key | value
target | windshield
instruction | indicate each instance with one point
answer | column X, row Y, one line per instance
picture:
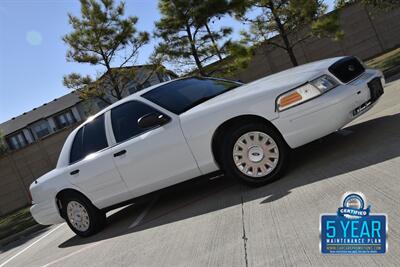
column 182, row 95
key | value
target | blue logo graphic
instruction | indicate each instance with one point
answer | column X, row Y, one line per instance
column 353, row 206
column 353, row 229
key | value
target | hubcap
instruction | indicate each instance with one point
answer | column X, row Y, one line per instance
column 78, row 216
column 255, row 154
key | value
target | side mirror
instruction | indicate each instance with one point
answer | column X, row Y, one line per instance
column 153, row 119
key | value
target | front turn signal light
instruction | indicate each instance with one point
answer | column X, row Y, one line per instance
column 305, row 92
column 289, row 99
column 297, row 96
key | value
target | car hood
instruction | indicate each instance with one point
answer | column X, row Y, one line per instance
column 302, row 73
column 275, row 84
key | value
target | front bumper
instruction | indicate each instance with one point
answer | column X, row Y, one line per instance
column 326, row 113
column 46, row 213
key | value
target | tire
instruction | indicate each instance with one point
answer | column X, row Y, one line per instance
column 265, row 156
column 82, row 216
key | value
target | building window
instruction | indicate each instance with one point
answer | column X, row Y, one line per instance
column 17, row 141
column 101, row 104
column 163, row 77
column 144, row 85
column 64, row 119
column 132, row 89
column 41, row 129
column 166, row 77
column 160, row 77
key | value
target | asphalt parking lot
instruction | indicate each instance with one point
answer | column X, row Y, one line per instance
column 221, row 223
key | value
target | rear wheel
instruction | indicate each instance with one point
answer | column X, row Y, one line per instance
column 82, row 216
column 254, row 153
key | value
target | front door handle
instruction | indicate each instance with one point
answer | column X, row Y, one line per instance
column 120, row 153
column 74, row 172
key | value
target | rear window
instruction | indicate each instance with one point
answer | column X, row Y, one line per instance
column 89, row 139
column 182, row 95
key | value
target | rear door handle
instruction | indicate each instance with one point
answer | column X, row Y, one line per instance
column 120, row 153
column 74, row 172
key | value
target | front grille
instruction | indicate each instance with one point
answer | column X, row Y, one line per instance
column 347, row 69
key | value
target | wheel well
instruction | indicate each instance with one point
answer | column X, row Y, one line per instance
column 67, row 192
column 227, row 125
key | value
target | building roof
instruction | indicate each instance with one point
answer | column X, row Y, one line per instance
column 44, row 111
column 144, row 66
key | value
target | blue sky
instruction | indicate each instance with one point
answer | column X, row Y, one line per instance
column 32, row 55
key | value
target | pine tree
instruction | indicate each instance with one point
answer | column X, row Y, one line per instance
column 207, row 13
column 381, row 4
column 186, row 37
column 285, row 18
column 102, row 36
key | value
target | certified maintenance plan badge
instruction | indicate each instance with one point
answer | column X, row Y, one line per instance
column 353, row 229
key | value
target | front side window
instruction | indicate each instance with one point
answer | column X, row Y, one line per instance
column 89, row 139
column 181, row 95
column 125, row 118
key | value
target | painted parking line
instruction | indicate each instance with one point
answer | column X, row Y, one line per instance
column 135, row 223
column 73, row 254
column 28, row 247
column 144, row 213
column 112, row 212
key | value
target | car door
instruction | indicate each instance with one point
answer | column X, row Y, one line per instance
column 92, row 167
column 152, row 158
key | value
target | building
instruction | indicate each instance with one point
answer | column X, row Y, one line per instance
column 144, row 77
column 68, row 111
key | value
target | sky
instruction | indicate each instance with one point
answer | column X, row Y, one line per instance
column 32, row 54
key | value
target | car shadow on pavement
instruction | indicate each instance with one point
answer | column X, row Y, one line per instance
column 22, row 240
column 358, row 146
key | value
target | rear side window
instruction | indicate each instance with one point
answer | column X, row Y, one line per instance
column 125, row 118
column 89, row 139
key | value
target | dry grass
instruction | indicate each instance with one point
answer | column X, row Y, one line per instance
column 386, row 61
column 15, row 222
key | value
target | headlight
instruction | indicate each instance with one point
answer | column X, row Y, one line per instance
column 324, row 83
column 306, row 92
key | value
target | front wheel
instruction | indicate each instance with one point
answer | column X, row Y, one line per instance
column 81, row 216
column 255, row 154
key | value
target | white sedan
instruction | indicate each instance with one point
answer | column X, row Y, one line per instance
column 189, row 127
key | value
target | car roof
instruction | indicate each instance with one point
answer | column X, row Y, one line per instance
column 125, row 99
column 137, row 95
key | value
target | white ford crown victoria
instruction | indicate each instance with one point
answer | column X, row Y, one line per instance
column 190, row 127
